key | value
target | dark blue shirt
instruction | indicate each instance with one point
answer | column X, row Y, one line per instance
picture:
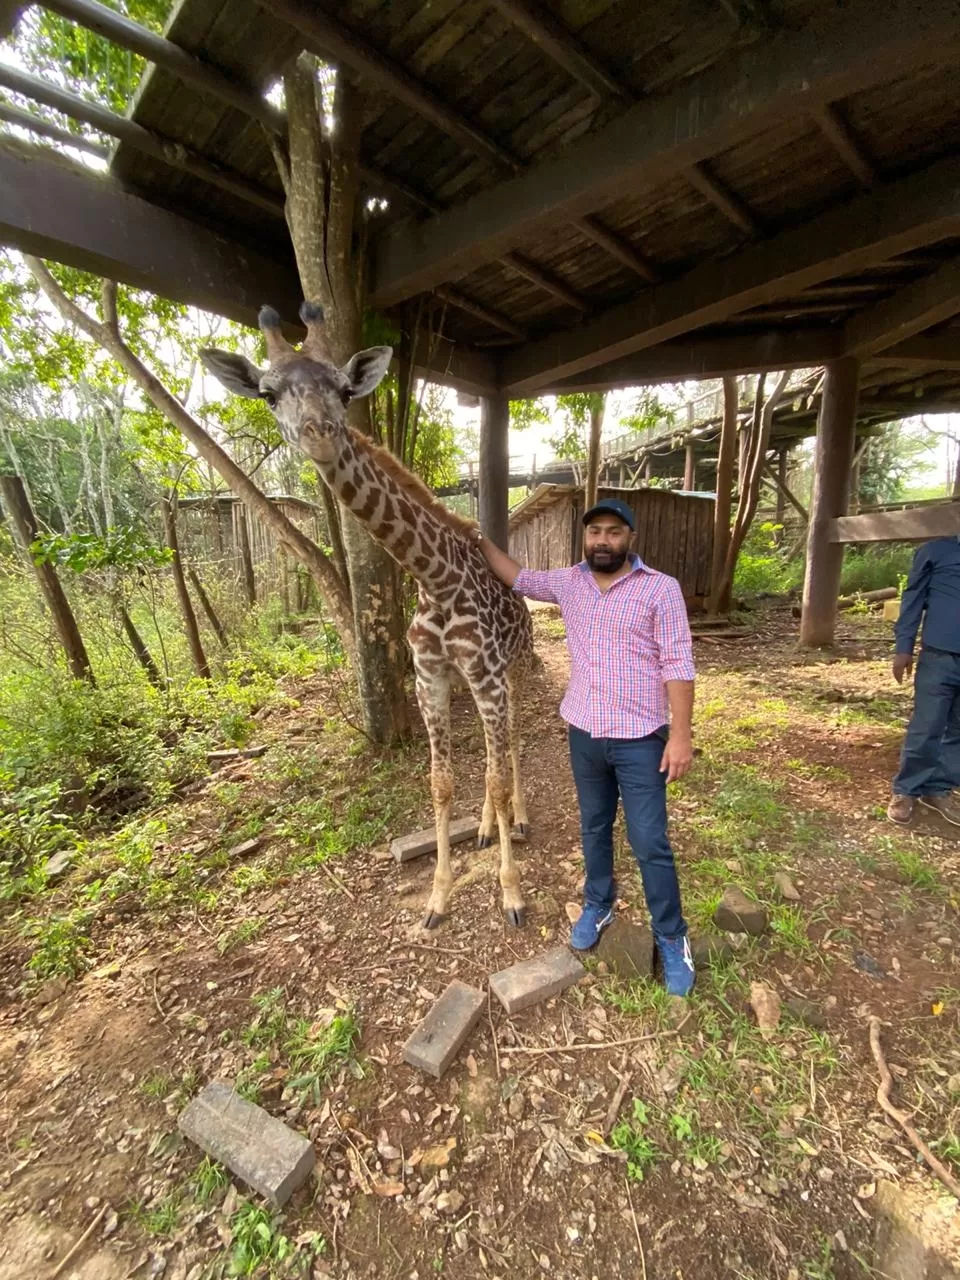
column 932, row 591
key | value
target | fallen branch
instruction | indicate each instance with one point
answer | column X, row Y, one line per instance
column 616, row 1103
column 636, row 1227
column 69, row 1257
column 337, row 881
column 883, row 1097
column 607, row 1044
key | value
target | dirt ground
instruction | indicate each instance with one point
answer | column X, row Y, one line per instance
column 730, row 1154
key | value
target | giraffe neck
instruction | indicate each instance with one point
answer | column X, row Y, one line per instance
column 416, row 537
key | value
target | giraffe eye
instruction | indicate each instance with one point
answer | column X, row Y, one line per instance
column 269, row 397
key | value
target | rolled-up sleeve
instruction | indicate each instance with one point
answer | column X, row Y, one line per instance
column 671, row 630
column 541, row 584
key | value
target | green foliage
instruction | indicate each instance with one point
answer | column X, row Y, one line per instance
column 871, row 568
column 761, row 568
column 527, row 413
column 60, row 944
column 631, row 1136
column 119, row 548
column 890, row 458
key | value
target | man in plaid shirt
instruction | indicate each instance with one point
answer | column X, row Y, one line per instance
column 629, row 707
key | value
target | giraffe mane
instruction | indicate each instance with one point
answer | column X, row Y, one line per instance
column 411, row 484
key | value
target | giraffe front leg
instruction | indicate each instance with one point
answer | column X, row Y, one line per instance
column 488, row 822
column 493, row 712
column 433, row 696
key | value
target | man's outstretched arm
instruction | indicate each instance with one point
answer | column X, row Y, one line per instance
column 502, row 565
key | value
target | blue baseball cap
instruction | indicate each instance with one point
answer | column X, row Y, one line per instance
column 615, row 507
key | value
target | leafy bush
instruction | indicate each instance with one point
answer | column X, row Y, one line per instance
column 871, row 569
column 761, row 566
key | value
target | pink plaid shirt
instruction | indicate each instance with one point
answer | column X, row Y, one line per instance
column 624, row 643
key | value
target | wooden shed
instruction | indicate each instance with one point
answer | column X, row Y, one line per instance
column 674, row 532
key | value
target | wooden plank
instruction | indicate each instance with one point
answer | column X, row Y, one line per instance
column 845, row 142
column 560, row 45
column 899, row 526
column 916, row 307
column 618, row 248
column 329, row 38
column 728, row 202
column 917, row 210
column 929, row 351
column 853, row 48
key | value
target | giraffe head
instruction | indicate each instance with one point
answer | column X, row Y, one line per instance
column 306, row 391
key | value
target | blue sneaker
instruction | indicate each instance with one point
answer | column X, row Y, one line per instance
column 585, row 934
column 677, row 962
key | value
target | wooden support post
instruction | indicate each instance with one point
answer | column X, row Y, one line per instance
column 201, row 666
column 689, row 469
column 246, row 559
column 495, row 468
column 781, row 485
column 724, row 500
column 18, row 508
column 648, row 469
column 206, row 604
column 836, row 436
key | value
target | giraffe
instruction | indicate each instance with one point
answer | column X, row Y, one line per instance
column 466, row 621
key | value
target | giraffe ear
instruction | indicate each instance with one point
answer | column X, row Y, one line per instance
column 233, row 371
column 365, row 370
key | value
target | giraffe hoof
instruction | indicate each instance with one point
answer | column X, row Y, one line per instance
column 521, row 832
column 433, row 920
column 484, row 842
column 516, row 916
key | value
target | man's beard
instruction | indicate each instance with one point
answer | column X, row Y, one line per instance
column 602, row 560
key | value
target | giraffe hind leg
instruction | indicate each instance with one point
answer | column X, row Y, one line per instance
column 433, row 696
column 493, row 712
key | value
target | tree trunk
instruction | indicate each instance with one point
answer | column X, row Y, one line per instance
column 753, row 458
column 724, row 502
column 689, row 469
column 139, row 646
column 836, row 434
column 205, row 603
column 495, row 469
column 200, row 664
column 322, row 211
column 21, row 515
column 107, row 334
column 593, row 452
column 246, row 559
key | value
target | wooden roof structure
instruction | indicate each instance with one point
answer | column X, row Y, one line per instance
column 588, row 193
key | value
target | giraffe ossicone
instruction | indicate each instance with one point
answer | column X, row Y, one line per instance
column 466, row 620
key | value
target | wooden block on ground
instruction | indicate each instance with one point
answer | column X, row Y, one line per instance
column 438, row 1038
column 538, row 979
column 418, row 843
column 263, row 1151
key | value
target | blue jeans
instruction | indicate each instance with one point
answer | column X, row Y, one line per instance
column 606, row 770
column 930, row 759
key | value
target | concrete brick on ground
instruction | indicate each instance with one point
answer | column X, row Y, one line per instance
column 439, row 1037
column 261, row 1150
column 418, row 843
column 532, row 981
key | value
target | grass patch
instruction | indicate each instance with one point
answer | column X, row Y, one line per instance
column 259, row 1247
column 790, row 927
column 305, row 1051
column 631, row 1137
column 160, row 1218
column 208, row 1180
column 240, row 934
column 61, row 944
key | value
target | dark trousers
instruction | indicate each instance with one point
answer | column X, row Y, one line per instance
column 930, row 759
column 606, row 770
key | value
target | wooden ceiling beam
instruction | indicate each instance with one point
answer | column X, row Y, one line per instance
column 918, row 306
column 562, row 46
column 838, row 132
column 546, row 280
column 330, row 39
column 166, row 150
column 164, row 53
column 44, row 129
column 708, row 357
column 920, row 209
column 721, row 197
column 55, row 209
column 617, row 248
column 927, row 351
column 857, row 46
column 497, row 319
